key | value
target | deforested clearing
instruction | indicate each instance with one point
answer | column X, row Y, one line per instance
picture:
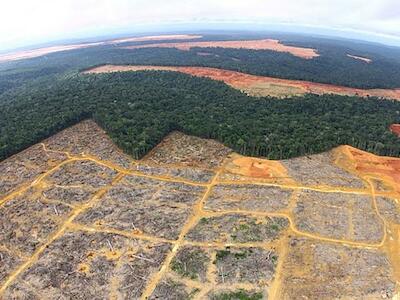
column 364, row 59
column 17, row 55
column 85, row 220
column 258, row 85
column 266, row 44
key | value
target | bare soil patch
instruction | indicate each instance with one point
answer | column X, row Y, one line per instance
column 395, row 128
column 260, row 85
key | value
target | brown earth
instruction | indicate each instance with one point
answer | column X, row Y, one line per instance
column 395, row 128
column 47, row 50
column 79, row 219
column 364, row 59
column 267, row 44
column 259, row 85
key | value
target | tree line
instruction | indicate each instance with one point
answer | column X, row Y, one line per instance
column 138, row 109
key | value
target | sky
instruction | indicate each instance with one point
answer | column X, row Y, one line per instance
column 26, row 22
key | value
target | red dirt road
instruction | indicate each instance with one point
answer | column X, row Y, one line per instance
column 267, row 44
column 258, row 85
column 47, row 50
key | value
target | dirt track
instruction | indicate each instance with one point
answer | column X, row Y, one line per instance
column 259, row 85
column 268, row 44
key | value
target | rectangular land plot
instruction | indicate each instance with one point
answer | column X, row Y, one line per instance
column 339, row 216
column 316, row 270
column 26, row 166
column 320, row 169
column 161, row 210
column 248, row 197
column 82, row 173
column 26, row 222
column 83, row 265
column 237, row 228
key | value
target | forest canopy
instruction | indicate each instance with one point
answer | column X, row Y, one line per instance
column 137, row 109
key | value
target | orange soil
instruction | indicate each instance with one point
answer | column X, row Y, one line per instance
column 255, row 167
column 367, row 60
column 395, row 128
column 268, row 44
column 246, row 82
column 384, row 168
column 47, row 50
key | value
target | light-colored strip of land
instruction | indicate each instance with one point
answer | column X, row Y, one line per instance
column 23, row 54
column 364, row 59
column 258, row 85
column 266, row 44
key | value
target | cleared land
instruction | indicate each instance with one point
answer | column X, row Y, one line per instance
column 267, row 44
column 79, row 219
column 17, row 55
column 395, row 128
column 364, row 59
column 258, row 85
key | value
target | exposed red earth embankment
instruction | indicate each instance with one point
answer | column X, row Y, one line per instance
column 267, row 44
column 16, row 55
column 395, row 128
column 259, row 85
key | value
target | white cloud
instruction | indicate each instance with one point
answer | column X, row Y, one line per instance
column 26, row 21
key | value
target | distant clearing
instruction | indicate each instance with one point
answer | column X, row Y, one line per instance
column 267, row 44
column 259, row 85
column 367, row 60
column 17, row 55
column 395, row 128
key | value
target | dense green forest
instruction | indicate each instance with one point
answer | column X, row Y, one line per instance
column 137, row 109
column 333, row 66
